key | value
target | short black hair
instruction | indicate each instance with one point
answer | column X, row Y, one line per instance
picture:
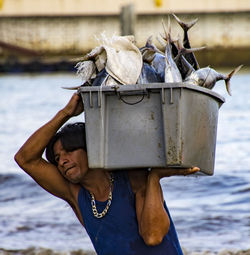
column 72, row 137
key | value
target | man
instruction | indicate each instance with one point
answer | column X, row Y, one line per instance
column 123, row 212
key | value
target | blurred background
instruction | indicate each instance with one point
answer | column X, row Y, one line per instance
column 51, row 33
column 40, row 41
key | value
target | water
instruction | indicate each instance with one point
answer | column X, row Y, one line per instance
column 210, row 213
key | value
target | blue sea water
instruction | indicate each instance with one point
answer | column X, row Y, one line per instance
column 210, row 213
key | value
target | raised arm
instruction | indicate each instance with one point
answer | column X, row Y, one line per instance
column 153, row 220
column 29, row 156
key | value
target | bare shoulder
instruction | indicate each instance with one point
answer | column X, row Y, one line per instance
column 138, row 179
column 48, row 177
column 73, row 202
column 74, row 191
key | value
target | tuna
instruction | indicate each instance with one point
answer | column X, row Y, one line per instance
column 207, row 78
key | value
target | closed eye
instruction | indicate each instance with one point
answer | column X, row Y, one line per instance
column 57, row 158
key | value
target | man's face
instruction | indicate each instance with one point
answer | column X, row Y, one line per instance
column 73, row 165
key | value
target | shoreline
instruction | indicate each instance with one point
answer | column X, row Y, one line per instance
column 46, row 251
column 47, row 62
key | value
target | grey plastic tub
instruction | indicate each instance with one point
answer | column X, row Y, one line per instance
column 153, row 125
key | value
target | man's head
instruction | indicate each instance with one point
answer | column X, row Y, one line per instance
column 72, row 137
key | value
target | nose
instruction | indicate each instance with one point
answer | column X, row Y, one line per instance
column 63, row 159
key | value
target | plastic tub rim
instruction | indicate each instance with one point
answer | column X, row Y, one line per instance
column 145, row 87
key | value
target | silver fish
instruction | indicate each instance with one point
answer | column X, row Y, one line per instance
column 101, row 78
column 153, row 56
column 148, row 75
column 172, row 73
column 159, row 64
column 207, row 77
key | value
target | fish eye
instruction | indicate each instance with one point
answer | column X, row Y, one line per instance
column 201, row 81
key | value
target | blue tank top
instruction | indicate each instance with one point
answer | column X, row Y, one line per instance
column 117, row 232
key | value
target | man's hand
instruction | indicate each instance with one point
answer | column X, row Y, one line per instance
column 166, row 172
column 74, row 106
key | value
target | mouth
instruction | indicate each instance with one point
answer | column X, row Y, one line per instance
column 65, row 172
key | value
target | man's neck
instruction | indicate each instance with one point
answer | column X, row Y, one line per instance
column 97, row 181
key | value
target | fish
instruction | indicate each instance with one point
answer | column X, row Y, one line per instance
column 207, row 78
column 174, row 47
column 148, row 75
column 156, row 58
column 101, row 78
column 159, row 64
column 184, row 66
column 112, row 82
column 148, row 54
column 172, row 73
column 186, row 26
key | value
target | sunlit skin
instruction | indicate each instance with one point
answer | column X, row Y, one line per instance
column 73, row 165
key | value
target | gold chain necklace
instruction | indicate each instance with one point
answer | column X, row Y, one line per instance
column 93, row 203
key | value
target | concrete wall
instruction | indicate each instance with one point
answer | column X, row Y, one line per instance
column 78, row 34
column 108, row 7
column 223, row 26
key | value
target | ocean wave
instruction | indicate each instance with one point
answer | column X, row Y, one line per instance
column 44, row 251
column 218, row 206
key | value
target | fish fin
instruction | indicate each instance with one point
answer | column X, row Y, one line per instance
column 229, row 76
column 169, row 25
column 183, row 51
column 72, row 88
column 179, row 42
column 194, row 49
column 149, row 41
column 76, row 59
column 150, row 46
column 160, row 40
column 185, row 26
column 207, row 76
column 165, row 31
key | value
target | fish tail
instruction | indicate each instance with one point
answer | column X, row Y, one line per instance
column 167, row 30
column 185, row 26
column 229, row 76
column 169, row 25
